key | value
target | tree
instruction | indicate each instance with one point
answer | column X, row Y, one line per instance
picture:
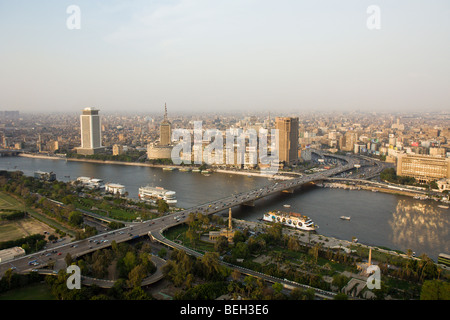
column 277, row 287
column 339, row 280
column 340, row 296
column 221, row 244
column 235, row 275
column 129, row 261
column 163, row 207
column 210, row 261
column 435, row 290
column 75, row 218
column 136, row 275
column 136, row 294
column 68, row 259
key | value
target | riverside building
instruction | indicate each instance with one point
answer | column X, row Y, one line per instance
column 423, row 168
column 91, row 134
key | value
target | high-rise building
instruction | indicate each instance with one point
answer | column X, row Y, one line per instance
column 165, row 130
column 163, row 149
column 117, row 149
column 91, row 135
column 423, row 168
column 288, row 139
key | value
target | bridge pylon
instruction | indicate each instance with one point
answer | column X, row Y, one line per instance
column 250, row 203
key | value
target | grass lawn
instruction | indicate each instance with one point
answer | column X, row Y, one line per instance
column 9, row 231
column 179, row 233
column 36, row 291
column 7, row 202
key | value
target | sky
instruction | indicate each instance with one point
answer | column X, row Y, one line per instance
column 225, row 55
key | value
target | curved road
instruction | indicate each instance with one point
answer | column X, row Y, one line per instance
column 155, row 227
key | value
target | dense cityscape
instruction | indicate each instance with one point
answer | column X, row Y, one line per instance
column 407, row 151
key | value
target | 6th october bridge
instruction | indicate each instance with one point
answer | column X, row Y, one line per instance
column 155, row 227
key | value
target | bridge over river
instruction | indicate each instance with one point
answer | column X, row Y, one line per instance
column 155, row 227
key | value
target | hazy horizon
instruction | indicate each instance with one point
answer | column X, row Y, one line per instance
column 207, row 56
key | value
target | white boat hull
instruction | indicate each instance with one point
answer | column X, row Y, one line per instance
column 290, row 222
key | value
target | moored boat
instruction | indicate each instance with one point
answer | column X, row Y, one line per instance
column 291, row 219
column 152, row 194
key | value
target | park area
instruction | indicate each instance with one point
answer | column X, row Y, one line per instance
column 17, row 228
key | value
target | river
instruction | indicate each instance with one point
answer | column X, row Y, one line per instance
column 378, row 219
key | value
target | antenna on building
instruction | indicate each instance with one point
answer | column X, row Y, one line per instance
column 165, row 112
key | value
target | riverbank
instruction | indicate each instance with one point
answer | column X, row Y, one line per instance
column 377, row 187
column 140, row 164
column 325, row 241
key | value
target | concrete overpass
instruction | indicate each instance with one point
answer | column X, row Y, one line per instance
column 103, row 283
column 155, row 227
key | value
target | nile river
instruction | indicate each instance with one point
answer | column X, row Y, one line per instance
column 378, row 219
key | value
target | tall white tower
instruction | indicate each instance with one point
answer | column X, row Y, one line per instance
column 91, row 135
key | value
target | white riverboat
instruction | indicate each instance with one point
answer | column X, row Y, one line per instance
column 90, row 183
column 291, row 219
column 152, row 194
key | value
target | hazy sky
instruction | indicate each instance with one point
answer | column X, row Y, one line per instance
column 206, row 55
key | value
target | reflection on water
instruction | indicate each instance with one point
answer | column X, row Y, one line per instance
column 420, row 224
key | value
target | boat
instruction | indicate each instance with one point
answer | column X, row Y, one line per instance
column 286, row 205
column 114, row 188
column 185, row 169
column 443, row 207
column 345, row 218
column 47, row 176
column 90, row 183
column 196, row 170
column 169, row 168
column 152, row 194
column 291, row 219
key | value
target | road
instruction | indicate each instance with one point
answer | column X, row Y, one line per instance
column 156, row 226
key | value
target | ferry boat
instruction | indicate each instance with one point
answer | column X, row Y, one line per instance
column 91, row 183
column 152, row 194
column 291, row 219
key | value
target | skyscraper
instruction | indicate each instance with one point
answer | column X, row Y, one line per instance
column 91, row 136
column 288, row 139
column 165, row 130
column 163, row 149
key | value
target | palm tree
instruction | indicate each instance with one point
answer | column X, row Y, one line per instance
column 211, row 263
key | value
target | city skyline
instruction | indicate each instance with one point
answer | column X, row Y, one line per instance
column 205, row 56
